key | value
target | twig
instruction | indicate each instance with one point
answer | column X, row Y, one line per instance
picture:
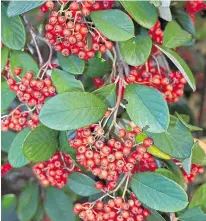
column 8, row 115
column 126, row 186
column 120, row 60
column 173, row 217
column 33, row 35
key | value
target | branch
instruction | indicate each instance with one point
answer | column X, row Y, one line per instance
column 120, row 61
column 33, row 35
column 173, row 217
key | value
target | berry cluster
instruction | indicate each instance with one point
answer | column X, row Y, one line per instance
column 70, row 33
column 55, row 171
column 18, row 119
column 46, row 6
column 107, row 159
column 114, row 210
column 195, row 170
column 192, row 7
column 86, row 7
column 30, row 90
column 5, row 168
column 150, row 74
column 156, row 35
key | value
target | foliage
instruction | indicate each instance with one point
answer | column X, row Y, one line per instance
column 91, row 127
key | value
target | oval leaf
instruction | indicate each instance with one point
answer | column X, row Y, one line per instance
column 66, row 148
column 7, row 139
column 40, row 144
column 16, row 157
column 73, row 64
column 185, row 21
column 13, row 33
column 142, row 12
column 65, row 82
column 154, row 215
column 193, row 214
column 82, row 184
column 180, row 64
column 177, row 141
column 8, row 208
column 147, row 107
column 72, row 110
column 113, row 24
column 24, row 61
column 150, row 189
column 170, row 175
column 20, row 7
column 28, row 202
column 58, row 205
column 97, row 67
column 175, row 36
column 136, row 50
column 199, row 198
column 4, row 57
column 108, row 93
column 198, row 155
column 7, row 96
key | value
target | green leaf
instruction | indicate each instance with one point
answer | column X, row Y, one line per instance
column 28, row 202
column 72, row 110
column 58, row 205
column 24, row 61
column 7, row 96
column 175, row 36
column 198, row 155
column 142, row 12
column 16, row 157
column 4, row 57
column 147, row 107
column 73, row 64
column 170, row 164
column 193, row 215
column 199, row 198
column 159, row 192
column 136, row 50
column 185, row 21
column 82, row 184
column 7, row 139
column 97, row 67
column 187, row 163
column 113, row 24
column 154, row 215
column 20, row 7
column 66, row 148
column 165, row 13
column 180, row 64
column 39, row 215
column 189, row 126
column 156, row 3
column 65, row 82
column 40, row 144
column 13, row 33
column 177, row 141
column 108, row 94
column 8, row 208
column 170, row 175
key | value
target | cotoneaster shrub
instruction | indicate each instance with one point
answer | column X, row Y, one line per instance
column 90, row 120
